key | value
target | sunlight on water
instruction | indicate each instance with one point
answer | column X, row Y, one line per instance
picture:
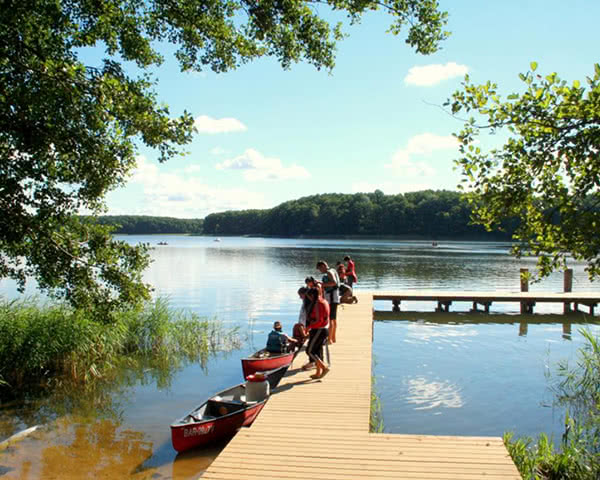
column 427, row 394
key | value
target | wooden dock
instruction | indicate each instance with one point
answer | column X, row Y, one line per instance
column 319, row 429
column 527, row 300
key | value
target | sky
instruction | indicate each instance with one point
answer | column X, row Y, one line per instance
column 267, row 135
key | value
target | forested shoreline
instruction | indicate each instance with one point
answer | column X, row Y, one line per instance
column 423, row 214
column 440, row 214
column 142, row 224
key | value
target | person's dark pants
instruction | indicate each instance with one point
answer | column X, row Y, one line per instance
column 333, row 311
column 316, row 342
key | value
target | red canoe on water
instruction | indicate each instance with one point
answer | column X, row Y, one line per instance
column 262, row 361
column 221, row 416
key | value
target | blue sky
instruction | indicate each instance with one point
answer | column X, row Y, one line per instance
column 266, row 135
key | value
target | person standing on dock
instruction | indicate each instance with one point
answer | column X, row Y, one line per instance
column 317, row 314
column 331, row 292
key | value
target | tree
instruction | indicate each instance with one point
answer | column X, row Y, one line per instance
column 547, row 174
column 69, row 131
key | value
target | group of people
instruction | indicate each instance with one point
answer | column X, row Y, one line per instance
column 317, row 321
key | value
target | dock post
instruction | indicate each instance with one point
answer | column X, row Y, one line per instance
column 566, row 330
column 567, row 287
column 524, row 275
column 523, row 328
column 396, row 305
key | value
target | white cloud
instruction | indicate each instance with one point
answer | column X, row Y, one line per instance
column 183, row 196
column 429, row 75
column 258, row 167
column 206, row 124
column 424, row 144
column 218, row 151
column 193, row 169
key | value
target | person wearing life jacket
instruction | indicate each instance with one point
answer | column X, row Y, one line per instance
column 277, row 342
column 331, row 292
column 317, row 315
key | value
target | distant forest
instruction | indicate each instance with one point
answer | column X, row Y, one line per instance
column 428, row 214
column 139, row 225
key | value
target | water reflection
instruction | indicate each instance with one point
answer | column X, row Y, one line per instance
column 422, row 324
column 472, row 374
column 73, row 448
column 428, row 394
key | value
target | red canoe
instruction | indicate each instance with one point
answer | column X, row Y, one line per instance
column 262, row 361
column 220, row 416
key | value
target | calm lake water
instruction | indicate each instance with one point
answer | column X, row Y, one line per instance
column 447, row 374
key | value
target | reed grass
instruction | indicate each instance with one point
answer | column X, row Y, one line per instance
column 45, row 345
column 376, row 424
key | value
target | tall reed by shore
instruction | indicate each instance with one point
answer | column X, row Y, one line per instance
column 42, row 346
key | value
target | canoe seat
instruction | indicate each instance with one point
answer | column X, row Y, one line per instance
column 219, row 409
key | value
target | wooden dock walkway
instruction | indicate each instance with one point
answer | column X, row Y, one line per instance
column 319, row 429
column 526, row 300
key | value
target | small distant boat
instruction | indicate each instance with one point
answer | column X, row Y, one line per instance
column 221, row 416
column 162, row 243
column 263, row 360
column 217, row 240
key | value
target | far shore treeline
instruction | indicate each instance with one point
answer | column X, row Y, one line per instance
column 427, row 213
column 143, row 225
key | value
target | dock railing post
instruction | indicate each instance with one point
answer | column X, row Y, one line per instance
column 567, row 287
column 524, row 274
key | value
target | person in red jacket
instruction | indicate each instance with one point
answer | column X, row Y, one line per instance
column 317, row 314
column 351, row 277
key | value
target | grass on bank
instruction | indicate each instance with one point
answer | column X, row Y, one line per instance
column 42, row 346
column 376, row 424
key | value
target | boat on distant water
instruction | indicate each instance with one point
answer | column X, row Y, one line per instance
column 162, row 243
column 223, row 414
column 217, row 239
column 263, row 360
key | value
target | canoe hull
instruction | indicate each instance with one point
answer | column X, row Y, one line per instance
column 257, row 363
column 202, row 433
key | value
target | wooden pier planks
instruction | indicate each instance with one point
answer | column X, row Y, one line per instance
column 319, row 429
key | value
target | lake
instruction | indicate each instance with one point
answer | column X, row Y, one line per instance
column 446, row 374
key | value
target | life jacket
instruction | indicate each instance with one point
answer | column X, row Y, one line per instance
column 276, row 342
column 319, row 317
column 332, row 294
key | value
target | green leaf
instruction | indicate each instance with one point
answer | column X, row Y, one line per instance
column 533, row 66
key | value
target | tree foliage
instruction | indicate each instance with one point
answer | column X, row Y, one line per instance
column 143, row 224
column 70, row 130
column 428, row 213
column 547, row 173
